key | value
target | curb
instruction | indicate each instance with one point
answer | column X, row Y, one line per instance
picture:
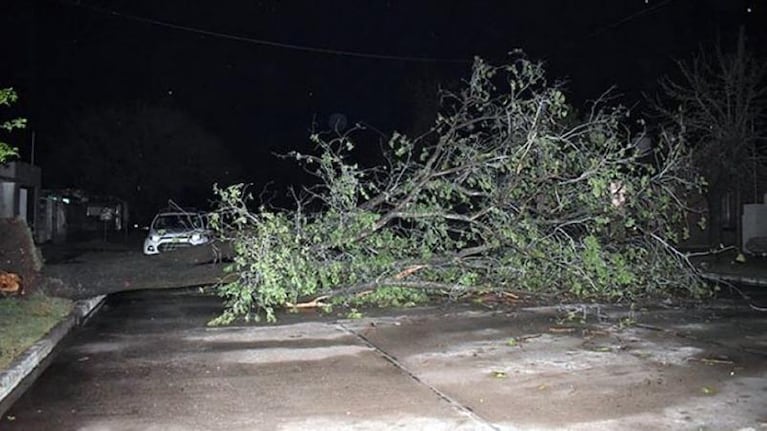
column 28, row 365
column 732, row 278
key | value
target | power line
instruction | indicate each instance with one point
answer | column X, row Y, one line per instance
column 626, row 19
column 270, row 43
column 337, row 52
column 612, row 26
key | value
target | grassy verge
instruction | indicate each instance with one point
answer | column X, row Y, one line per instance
column 25, row 321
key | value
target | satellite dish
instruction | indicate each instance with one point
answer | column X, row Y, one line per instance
column 337, row 122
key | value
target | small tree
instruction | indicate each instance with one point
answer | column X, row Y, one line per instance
column 720, row 100
column 512, row 193
column 7, row 97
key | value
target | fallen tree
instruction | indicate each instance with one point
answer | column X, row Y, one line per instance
column 512, row 191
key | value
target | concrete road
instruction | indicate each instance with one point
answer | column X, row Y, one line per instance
column 147, row 361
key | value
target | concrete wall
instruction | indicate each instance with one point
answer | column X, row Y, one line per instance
column 19, row 191
column 7, row 199
column 754, row 224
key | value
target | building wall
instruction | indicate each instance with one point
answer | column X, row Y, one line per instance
column 754, row 224
column 19, row 191
column 734, row 228
column 7, row 199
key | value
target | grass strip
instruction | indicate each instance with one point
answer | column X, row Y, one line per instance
column 24, row 321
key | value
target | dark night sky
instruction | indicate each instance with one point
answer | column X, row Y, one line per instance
column 69, row 56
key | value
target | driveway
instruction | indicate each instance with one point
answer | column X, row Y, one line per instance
column 147, row 361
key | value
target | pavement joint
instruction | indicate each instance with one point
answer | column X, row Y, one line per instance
column 460, row 407
column 735, row 278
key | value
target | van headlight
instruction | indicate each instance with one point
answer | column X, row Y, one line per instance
column 196, row 237
column 154, row 238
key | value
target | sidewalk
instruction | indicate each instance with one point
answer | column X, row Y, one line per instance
column 752, row 272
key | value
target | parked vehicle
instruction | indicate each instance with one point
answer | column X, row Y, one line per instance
column 174, row 229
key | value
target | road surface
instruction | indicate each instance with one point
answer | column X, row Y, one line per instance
column 147, row 361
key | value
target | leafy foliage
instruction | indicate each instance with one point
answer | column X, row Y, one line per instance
column 511, row 191
column 386, row 297
column 7, row 97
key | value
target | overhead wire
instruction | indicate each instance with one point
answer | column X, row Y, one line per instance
column 602, row 29
column 332, row 51
column 266, row 42
column 626, row 19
